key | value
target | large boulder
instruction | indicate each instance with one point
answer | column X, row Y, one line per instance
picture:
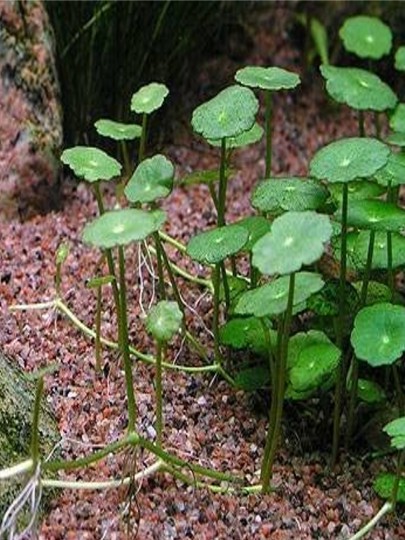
column 30, row 112
column 17, row 395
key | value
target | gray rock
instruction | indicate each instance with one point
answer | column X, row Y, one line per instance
column 30, row 112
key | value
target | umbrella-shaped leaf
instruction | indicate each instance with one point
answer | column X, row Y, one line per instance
column 164, row 320
column 377, row 292
column 252, row 378
column 214, row 246
column 288, row 194
column 380, row 249
column 397, row 118
column 400, row 59
column 267, row 78
column 384, row 485
column 295, row 239
column 358, row 88
column 393, row 172
column 314, row 366
column 360, row 189
column 349, row 159
column 370, row 391
column 149, row 98
column 90, row 163
column 228, row 114
column 326, row 301
column 120, row 227
column 396, row 430
column 251, row 136
column 257, row 226
column 271, row 298
column 301, row 341
column 117, row 130
column 367, row 37
column 375, row 215
column 378, row 336
column 152, row 179
column 396, row 139
column 246, row 333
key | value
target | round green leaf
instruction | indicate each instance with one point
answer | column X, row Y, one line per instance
column 295, row 239
column 384, row 485
column 257, row 226
column 370, row 392
column 245, row 333
column 301, row 341
column 400, row 59
column 120, row 227
column 393, row 172
column 271, row 298
column 228, row 114
column 367, row 37
column 152, row 179
column 314, row 366
column 396, row 430
column 377, row 292
column 288, row 194
column 117, row 130
column 326, row 301
column 358, row 88
column 396, row 139
column 251, row 136
column 358, row 189
column 349, row 159
column 164, row 320
column 380, row 249
column 149, row 98
column 214, row 246
column 267, row 78
column 378, row 336
column 375, row 215
column 90, row 163
column 397, row 118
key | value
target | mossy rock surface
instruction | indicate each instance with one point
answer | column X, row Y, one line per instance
column 17, row 396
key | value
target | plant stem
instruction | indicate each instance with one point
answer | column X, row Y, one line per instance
column 268, row 131
column 222, row 185
column 170, row 240
column 355, row 363
column 147, row 359
column 35, row 423
column 159, row 394
column 186, row 275
column 373, row 522
column 267, row 468
column 341, row 374
column 16, row 470
column 106, row 484
column 142, row 142
column 226, row 287
column 98, row 330
column 124, row 343
column 215, row 322
column 131, row 439
column 161, row 282
column 395, row 488
column 398, row 390
column 172, row 279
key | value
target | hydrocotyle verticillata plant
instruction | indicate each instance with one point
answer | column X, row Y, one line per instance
column 163, row 321
column 269, row 79
column 118, row 228
column 229, row 114
column 344, row 161
column 283, row 251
